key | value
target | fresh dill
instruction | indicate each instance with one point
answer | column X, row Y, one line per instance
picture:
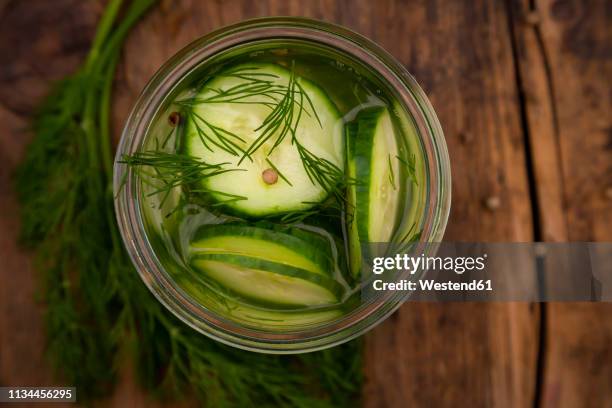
column 174, row 119
column 96, row 304
column 257, row 88
column 281, row 175
column 228, row 197
column 216, row 136
column 67, row 214
column 410, row 165
column 279, row 122
column 288, row 104
column 391, row 173
column 406, row 241
column 412, row 235
column 320, row 170
column 283, row 120
column 330, row 208
column 166, row 171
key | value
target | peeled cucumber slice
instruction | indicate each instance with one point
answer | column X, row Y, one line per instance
column 375, row 200
column 243, row 118
column 269, row 282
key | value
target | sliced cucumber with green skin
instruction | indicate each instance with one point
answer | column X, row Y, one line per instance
column 293, row 190
column 374, row 201
column 258, row 316
column 282, row 319
column 293, row 247
column 268, row 281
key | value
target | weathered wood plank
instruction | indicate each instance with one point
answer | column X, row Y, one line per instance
column 565, row 59
column 479, row 354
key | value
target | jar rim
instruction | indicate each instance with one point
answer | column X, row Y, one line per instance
column 129, row 217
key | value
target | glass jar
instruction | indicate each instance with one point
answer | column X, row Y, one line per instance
column 409, row 97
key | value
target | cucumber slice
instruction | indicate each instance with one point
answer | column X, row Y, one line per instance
column 298, row 248
column 269, row 282
column 374, row 201
column 282, row 319
column 260, row 317
column 293, row 190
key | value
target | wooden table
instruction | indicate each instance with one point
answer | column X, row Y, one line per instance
column 522, row 89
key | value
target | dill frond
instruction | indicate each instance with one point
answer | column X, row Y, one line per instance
column 391, row 173
column 410, row 165
column 96, row 304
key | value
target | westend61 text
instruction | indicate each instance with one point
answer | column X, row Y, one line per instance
column 431, row 285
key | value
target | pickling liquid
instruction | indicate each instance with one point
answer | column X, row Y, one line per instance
column 173, row 218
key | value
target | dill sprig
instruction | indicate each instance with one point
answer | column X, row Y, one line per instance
column 330, row 208
column 210, row 134
column 95, row 302
column 279, row 122
column 410, row 165
column 166, row 171
column 288, row 104
column 257, row 88
column 67, row 216
column 391, row 172
column 406, row 241
column 320, row 170
column 283, row 121
column 280, row 174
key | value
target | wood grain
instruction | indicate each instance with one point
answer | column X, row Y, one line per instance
column 565, row 55
column 479, row 354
